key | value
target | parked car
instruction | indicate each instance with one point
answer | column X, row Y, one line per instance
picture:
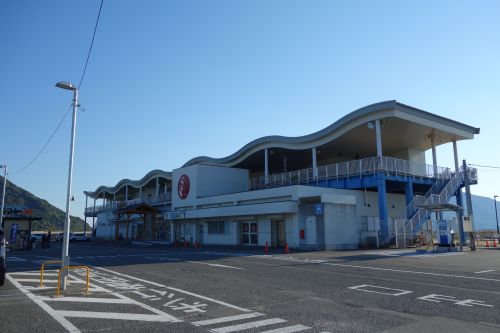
column 36, row 237
column 79, row 237
column 59, row 237
column 3, row 260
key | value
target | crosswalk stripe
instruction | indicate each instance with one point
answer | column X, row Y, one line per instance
column 60, row 319
column 33, row 273
column 44, row 281
column 86, row 300
column 289, row 329
column 245, row 326
column 115, row 315
column 226, row 319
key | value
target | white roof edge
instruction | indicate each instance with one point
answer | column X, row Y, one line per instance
column 313, row 139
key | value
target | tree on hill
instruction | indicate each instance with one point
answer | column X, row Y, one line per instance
column 52, row 217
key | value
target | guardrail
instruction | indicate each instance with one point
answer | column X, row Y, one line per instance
column 348, row 169
column 58, row 293
column 42, row 268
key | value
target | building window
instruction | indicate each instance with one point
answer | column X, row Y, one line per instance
column 216, row 227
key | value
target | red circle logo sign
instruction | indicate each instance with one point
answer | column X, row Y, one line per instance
column 183, row 187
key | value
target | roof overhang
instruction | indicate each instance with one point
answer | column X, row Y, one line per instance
column 110, row 190
column 403, row 127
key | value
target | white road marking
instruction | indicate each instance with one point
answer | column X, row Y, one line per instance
column 289, row 329
column 433, row 255
column 412, row 254
column 178, row 290
column 159, row 316
column 384, row 269
column 114, row 315
column 45, row 280
column 436, row 298
column 33, row 273
column 86, row 300
column 215, row 265
column 380, row 290
column 54, row 314
column 245, row 326
column 226, row 319
column 487, row 271
column 41, row 288
column 15, row 259
column 163, row 258
column 412, row 272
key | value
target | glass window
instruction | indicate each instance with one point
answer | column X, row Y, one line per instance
column 216, row 227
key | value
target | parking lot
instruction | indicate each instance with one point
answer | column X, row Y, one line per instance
column 222, row 289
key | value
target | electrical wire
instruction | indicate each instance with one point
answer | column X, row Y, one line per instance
column 485, row 166
column 91, row 44
column 69, row 108
column 44, row 146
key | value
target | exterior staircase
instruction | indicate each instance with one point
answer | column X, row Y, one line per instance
column 440, row 192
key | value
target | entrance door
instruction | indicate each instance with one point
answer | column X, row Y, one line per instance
column 249, row 233
column 311, row 230
column 278, row 237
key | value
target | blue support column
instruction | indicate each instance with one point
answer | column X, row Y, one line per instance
column 460, row 214
column 382, row 210
column 409, row 196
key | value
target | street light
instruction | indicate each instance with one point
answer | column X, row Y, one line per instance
column 496, row 213
column 3, row 192
column 65, row 252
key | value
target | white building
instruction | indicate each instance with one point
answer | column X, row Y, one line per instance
column 357, row 182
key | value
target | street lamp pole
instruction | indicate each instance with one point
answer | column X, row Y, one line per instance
column 3, row 193
column 496, row 213
column 67, row 222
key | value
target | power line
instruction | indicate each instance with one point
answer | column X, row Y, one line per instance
column 485, row 166
column 91, row 44
column 45, row 145
column 69, row 108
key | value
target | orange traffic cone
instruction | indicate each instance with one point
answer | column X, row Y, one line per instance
column 266, row 248
column 487, row 244
column 287, row 250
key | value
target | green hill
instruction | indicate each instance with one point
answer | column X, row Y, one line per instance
column 52, row 217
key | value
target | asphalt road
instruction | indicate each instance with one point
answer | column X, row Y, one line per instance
column 222, row 289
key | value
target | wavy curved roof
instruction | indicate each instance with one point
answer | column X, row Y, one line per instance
column 134, row 183
column 356, row 118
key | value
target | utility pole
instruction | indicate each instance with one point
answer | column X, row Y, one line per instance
column 3, row 192
column 496, row 214
column 468, row 201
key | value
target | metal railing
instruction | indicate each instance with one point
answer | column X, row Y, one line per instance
column 42, row 268
column 348, row 169
column 150, row 200
column 439, row 193
column 87, row 280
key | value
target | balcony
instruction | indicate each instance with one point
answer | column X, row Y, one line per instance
column 164, row 198
column 355, row 168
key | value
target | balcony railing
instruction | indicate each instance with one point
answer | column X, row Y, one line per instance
column 348, row 169
column 150, row 200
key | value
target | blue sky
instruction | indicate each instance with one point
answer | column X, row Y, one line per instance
column 171, row 80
